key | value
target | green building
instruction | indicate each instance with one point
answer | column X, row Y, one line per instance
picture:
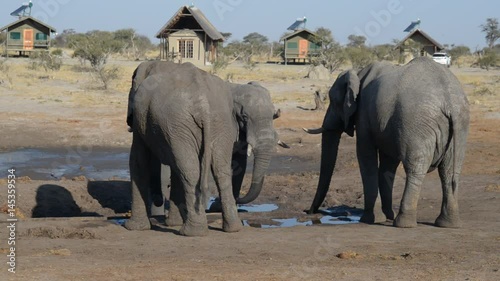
column 300, row 46
column 26, row 35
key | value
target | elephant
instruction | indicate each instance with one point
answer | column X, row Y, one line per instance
column 185, row 118
column 417, row 115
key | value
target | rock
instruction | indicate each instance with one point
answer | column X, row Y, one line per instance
column 347, row 255
column 319, row 72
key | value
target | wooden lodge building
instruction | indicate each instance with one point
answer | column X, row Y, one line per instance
column 300, row 46
column 26, row 35
column 417, row 37
column 189, row 37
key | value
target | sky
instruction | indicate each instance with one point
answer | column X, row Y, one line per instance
column 380, row 21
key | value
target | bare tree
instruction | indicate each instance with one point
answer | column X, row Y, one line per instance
column 492, row 31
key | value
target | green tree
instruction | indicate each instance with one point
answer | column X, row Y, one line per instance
column 331, row 55
column 356, row 41
column 226, row 35
column 385, row 52
column 255, row 39
column 133, row 45
column 324, row 37
column 96, row 47
column 492, row 31
column 360, row 57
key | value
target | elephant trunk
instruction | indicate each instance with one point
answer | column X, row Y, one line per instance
column 262, row 159
column 329, row 148
column 239, row 167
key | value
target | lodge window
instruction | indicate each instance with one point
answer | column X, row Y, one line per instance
column 15, row 35
column 314, row 46
column 41, row 36
column 292, row 45
column 186, row 49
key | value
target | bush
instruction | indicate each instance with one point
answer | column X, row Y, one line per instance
column 483, row 91
column 488, row 60
column 46, row 60
column 105, row 75
column 250, row 64
column 219, row 64
column 57, row 52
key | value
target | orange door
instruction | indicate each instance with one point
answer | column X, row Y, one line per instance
column 28, row 39
column 303, row 47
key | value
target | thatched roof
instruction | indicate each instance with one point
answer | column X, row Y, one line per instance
column 423, row 34
column 190, row 17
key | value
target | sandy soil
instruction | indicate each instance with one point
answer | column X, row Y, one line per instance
column 84, row 245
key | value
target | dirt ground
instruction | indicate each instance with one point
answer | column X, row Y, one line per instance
column 63, row 232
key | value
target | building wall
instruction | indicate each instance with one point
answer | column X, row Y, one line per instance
column 292, row 46
column 198, row 46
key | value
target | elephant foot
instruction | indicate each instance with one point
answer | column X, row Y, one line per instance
column 373, row 217
column 406, row 220
column 174, row 219
column 232, row 226
column 389, row 213
column 194, row 230
column 137, row 224
column 445, row 221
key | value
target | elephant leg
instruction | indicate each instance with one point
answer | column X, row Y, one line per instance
column 386, row 174
column 221, row 169
column 188, row 170
column 177, row 212
column 449, row 216
column 157, row 198
column 368, row 165
column 140, row 178
column 407, row 216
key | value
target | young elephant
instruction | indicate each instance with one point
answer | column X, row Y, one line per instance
column 173, row 111
column 416, row 114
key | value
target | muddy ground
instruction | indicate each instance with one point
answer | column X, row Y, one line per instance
column 63, row 232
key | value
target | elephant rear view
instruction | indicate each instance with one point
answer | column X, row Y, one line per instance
column 417, row 115
column 183, row 119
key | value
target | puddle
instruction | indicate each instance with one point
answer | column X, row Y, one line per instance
column 325, row 220
column 340, row 215
column 248, row 208
column 93, row 162
column 118, row 221
column 103, row 163
column 332, row 216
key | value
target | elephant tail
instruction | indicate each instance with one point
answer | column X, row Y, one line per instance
column 454, row 131
column 205, row 159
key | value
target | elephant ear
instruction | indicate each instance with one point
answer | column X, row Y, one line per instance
column 350, row 105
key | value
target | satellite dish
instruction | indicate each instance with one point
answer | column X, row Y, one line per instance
column 23, row 11
column 300, row 23
column 413, row 25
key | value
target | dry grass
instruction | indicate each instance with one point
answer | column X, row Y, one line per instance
column 263, row 72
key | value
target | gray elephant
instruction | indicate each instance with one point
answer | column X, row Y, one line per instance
column 185, row 118
column 416, row 114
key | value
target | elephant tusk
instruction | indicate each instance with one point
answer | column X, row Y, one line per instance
column 314, row 131
column 249, row 150
column 282, row 144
